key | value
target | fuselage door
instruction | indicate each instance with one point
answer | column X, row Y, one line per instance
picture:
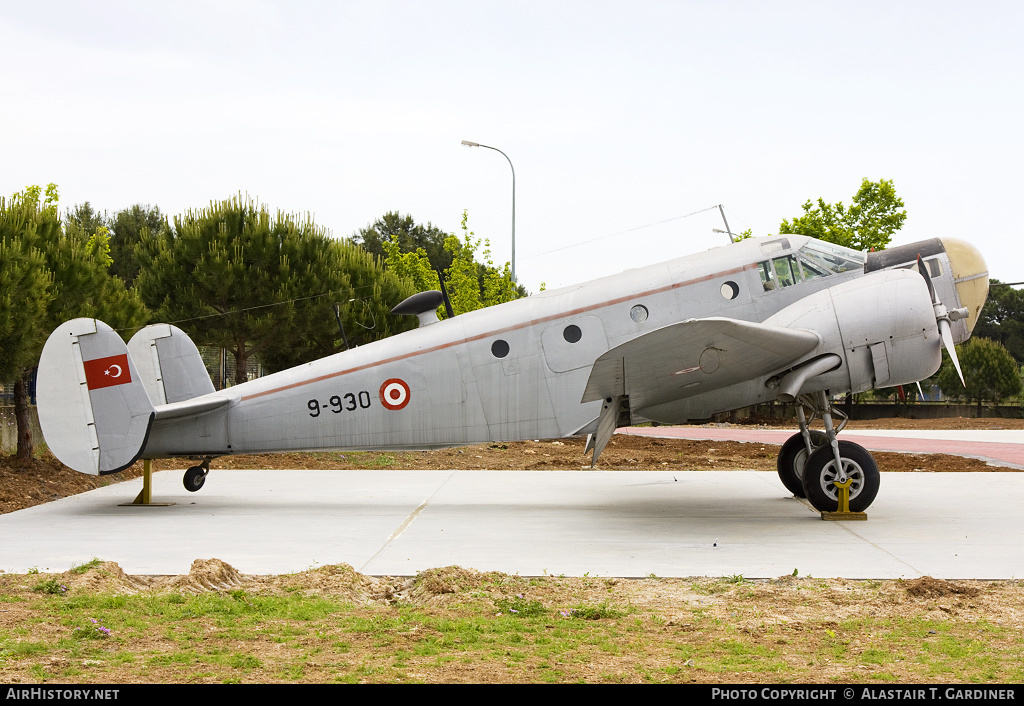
column 574, row 343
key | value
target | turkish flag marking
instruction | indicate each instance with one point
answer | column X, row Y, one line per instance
column 107, row 372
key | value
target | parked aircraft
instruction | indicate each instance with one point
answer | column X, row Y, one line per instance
column 785, row 318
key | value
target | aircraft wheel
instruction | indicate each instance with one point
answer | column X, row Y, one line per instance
column 793, row 458
column 820, row 475
column 194, row 478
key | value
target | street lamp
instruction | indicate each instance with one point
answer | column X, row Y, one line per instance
column 467, row 143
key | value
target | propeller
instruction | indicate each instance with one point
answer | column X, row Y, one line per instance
column 943, row 317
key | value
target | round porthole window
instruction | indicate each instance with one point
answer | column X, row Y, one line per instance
column 730, row 290
column 499, row 349
column 638, row 313
column 572, row 333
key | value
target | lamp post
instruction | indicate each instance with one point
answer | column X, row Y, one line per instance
column 467, row 143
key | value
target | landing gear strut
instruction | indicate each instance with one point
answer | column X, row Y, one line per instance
column 815, row 465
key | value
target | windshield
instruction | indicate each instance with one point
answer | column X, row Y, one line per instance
column 836, row 258
column 810, row 262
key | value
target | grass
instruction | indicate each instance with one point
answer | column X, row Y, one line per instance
column 86, row 567
column 512, row 629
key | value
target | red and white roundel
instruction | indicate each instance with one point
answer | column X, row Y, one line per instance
column 394, row 393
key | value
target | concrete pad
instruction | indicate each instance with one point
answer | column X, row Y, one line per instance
column 608, row 523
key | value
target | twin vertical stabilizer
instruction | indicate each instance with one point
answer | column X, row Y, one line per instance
column 97, row 397
column 170, row 365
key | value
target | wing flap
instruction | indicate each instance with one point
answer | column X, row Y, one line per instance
column 692, row 357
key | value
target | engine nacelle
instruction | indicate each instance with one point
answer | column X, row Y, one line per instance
column 882, row 325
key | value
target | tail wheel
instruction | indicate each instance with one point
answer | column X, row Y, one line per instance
column 194, row 478
column 793, row 459
column 820, row 475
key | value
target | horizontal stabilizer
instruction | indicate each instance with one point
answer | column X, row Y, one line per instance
column 93, row 409
column 692, row 357
column 189, row 408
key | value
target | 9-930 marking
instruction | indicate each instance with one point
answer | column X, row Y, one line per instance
column 349, row 402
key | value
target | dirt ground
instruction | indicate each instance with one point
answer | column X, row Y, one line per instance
column 45, row 479
column 413, row 629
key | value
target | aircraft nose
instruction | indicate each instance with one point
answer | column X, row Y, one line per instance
column 970, row 275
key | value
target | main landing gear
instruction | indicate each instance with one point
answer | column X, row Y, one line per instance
column 815, row 465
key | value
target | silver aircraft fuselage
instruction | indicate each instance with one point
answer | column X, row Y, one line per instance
column 519, row 370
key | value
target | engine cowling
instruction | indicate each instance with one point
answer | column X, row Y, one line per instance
column 881, row 325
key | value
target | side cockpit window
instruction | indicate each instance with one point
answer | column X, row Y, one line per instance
column 767, row 276
column 786, row 271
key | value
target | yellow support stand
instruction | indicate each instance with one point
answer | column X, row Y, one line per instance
column 843, row 511
column 145, row 496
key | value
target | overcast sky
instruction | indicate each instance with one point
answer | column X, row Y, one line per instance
column 619, row 117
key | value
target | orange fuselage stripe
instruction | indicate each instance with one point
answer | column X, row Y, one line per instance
column 516, row 327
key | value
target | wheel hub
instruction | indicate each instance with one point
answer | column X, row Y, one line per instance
column 853, row 472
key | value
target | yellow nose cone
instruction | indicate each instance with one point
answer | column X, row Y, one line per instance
column 970, row 273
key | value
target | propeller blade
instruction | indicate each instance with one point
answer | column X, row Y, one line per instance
column 928, row 279
column 947, row 341
column 920, row 392
column 941, row 319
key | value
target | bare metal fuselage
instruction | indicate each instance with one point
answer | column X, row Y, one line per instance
column 515, row 371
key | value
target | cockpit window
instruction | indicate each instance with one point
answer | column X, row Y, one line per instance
column 767, row 276
column 812, row 269
column 810, row 262
column 835, row 258
column 787, row 271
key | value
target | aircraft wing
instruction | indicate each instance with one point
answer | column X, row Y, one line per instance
column 692, row 357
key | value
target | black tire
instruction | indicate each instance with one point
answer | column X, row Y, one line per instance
column 194, row 478
column 793, row 458
column 820, row 472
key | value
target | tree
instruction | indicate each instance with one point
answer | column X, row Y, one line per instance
column 1002, row 319
column 85, row 217
column 126, row 233
column 365, row 292
column 73, row 264
column 474, row 285
column 410, row 237
column 28, row 225
column 990, row 373
column 413, row 266
column 462, row 278
column 236, row 277
column 83, row 286
column 394, row 229
column 25, row 283
column 874, row 216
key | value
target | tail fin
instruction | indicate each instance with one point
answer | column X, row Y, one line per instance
column 169, row 364
column 93, row 408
